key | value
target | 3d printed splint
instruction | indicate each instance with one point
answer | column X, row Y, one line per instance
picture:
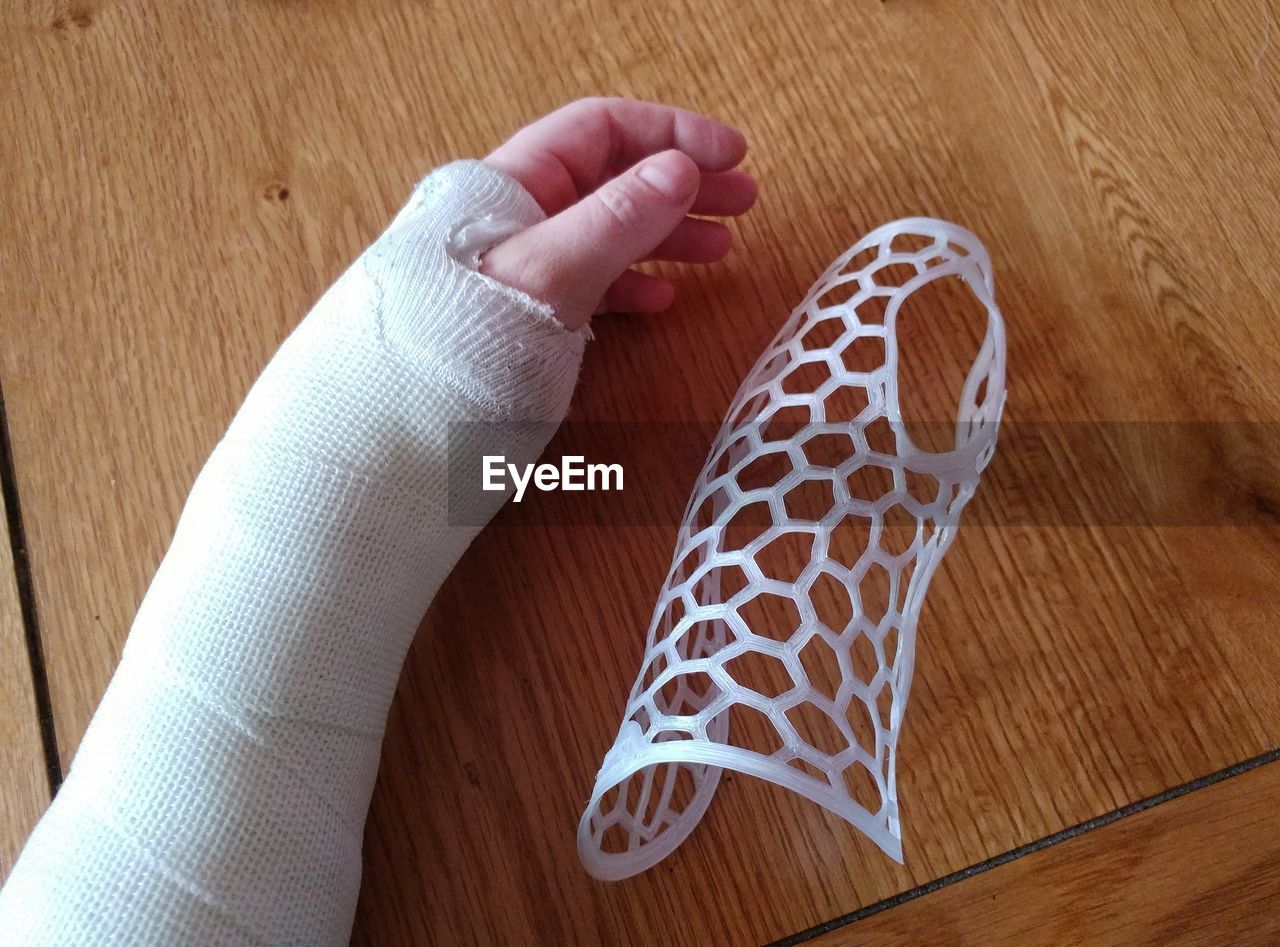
column 783, row 640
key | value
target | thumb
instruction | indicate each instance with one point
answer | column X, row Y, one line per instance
column 570, row 260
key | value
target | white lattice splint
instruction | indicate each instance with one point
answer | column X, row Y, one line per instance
column 783, row 640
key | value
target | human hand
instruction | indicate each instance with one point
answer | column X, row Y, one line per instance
column 618, row 180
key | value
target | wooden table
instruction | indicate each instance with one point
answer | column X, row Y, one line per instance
column 1090, row 749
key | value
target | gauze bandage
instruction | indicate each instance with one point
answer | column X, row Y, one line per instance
column 219, row 794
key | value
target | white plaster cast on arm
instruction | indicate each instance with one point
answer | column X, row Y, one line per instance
column 220, row 792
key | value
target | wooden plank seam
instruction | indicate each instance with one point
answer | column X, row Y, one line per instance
column 27, row 603
column 1048, row 841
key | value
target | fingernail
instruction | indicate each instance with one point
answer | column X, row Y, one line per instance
column 662, row 175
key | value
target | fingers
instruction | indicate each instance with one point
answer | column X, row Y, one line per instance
column 726, row 194
column 638, row 292
column 618, row 179
column 571, row 260
column 577, row 148
column 695, row 241
column 640, row 129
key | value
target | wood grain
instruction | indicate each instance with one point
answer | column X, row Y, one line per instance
column 182, row 181
column 24, row 787
column 1202, row 869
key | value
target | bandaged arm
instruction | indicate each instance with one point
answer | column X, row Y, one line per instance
column 220, row 791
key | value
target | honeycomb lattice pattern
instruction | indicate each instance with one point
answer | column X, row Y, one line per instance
column 783, row 639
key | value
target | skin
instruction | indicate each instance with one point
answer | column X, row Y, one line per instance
column 621, row 182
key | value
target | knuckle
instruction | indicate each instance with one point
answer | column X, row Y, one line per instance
column 586, row 105
column 621, row 203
